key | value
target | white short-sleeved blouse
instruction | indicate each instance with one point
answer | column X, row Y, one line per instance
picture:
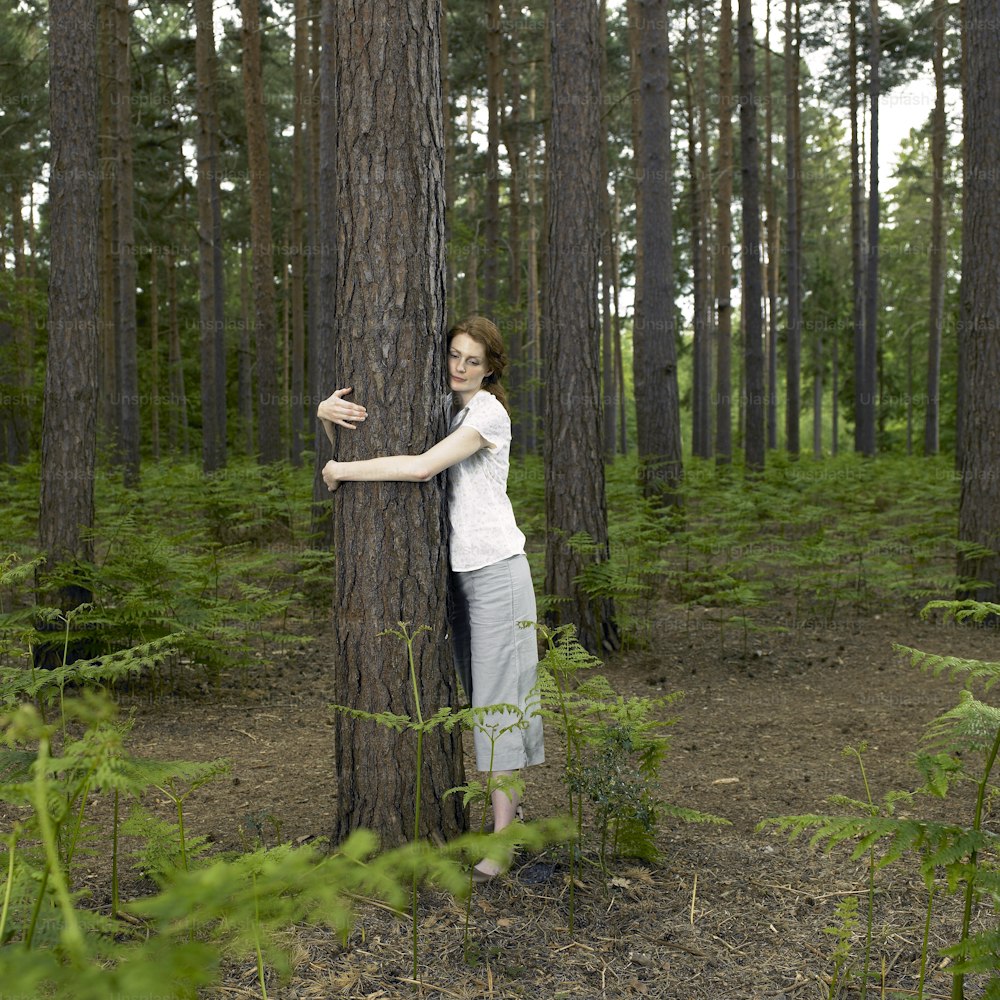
column 483, row 529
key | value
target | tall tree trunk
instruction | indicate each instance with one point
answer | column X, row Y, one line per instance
column 154, row 354
column 245, row 371
column 326, row 260
column 938, row 251
column 753, row 346
column 529, row 440
column 313, row 230
column 857, row 233
column 609, row 403
column 961, row 397
column 472, row 257
column 390, row 348
column 127, row 341
column 299, row 167
column 793, row 278
column 654, row 349
column 700, row 426
column 108, row 360
column 619, row 363
column 723, row 245
column 207, row 177
column 219, row 298
column 69, row 426
column 269, row 403
column 574, row 461
column 835, row 395
column 636, row 95
column 703, row 325
column 870, row 401
column 515, row 339
column 22, row 339
column 773, row 238
column 178, row 428
column 978, row 524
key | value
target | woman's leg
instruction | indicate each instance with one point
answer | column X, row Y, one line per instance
column 505, row 802
column 504, row 664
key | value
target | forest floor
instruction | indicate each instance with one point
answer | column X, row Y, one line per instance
column 725, row 912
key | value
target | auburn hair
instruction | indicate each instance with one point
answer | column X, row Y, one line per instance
column 485, row 333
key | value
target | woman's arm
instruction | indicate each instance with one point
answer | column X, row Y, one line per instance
column 336, row 410
column 455, row 448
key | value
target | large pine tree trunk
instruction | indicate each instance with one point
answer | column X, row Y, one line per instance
column 938, row 250
column 69, row 428
column 753, row 344
column 574, row 458
column 978, row 521
column 269, row 403
column 655, row 351
column 392, row 559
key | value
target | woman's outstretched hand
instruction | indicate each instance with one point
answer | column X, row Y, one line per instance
column 337, row 410
column 330, row 476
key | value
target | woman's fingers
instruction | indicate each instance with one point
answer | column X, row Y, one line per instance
column 337, row 410
column 330, row 476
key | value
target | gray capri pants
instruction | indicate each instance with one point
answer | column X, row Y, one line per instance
column 497, row 661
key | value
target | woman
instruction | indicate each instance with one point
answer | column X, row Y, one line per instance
column 491, row 584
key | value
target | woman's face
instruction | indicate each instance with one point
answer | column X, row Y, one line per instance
column 466, row 365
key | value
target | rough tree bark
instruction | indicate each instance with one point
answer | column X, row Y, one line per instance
column 979, row 326
column 392, row 558
column 207, row 178
column 574, row 459
column 69, row 424
column 657, row 400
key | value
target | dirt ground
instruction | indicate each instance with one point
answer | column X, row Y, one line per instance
column 726, row 912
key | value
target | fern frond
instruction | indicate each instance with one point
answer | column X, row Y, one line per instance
column 953, row 666
column 970, row 725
